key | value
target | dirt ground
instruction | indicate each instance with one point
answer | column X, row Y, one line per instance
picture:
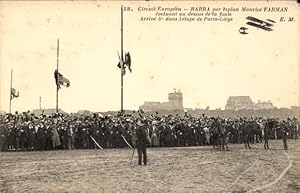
column 184, row 169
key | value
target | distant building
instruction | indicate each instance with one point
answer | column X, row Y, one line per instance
column 264, row 105
column 297, row 108
column 188, row 109
column 244, row 102
column 239, row 102
column 84, row 112
column 175, row 103
column 175, row 100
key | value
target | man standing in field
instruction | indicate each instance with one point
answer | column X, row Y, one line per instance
column 141, row 142
column 285, row 132
column 267, row 128
column 3, row 137
column 70, row 134
column 54, row 135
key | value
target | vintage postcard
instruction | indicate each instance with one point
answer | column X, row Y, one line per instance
column 149, row 96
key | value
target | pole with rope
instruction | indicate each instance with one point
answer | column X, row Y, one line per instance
column 122, row 60
column 10, row 97
column 57, row 85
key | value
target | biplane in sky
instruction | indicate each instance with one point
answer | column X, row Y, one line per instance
column 265, row 25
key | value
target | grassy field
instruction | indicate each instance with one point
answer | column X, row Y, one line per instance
column 184, row 169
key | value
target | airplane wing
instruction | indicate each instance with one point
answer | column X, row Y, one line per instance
column 259, row 26
column 271, row 20
column 259, row 21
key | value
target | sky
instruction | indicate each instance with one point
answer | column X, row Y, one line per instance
column 207, row 61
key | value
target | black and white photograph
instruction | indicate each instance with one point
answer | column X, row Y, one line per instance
column 149, row 96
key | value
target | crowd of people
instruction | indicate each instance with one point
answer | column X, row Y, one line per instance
column 27, row 131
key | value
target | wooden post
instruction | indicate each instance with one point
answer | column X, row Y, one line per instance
column 10, row 97
column 122, row 61
column 40, row 102
column 57, row 85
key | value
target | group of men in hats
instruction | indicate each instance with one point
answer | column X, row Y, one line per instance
column 29, row 132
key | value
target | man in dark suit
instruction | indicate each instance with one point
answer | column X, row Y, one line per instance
column 70, row 134
column 142, row 140
column 3, row 137
column 284, row 131
column 268, row 127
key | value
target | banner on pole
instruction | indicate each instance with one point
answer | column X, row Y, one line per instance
column 14, row 93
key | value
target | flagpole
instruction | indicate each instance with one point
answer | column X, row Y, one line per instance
column 57, row 61
column 122, row 64
column 40, row 102
column 11, row 79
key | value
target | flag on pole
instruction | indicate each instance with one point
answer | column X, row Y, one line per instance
column 126, row 63
column 128, row 60
column 14, row 93
column 121, row 65
column 60, row 79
